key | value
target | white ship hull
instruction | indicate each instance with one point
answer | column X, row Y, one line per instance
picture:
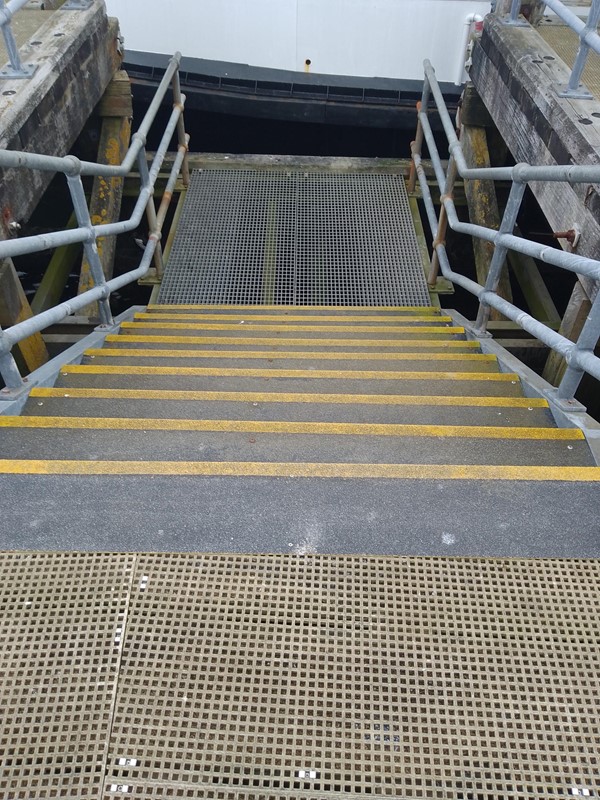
column 364, row 38
column 349, row 62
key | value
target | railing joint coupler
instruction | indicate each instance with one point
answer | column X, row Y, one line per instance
column 73, row 166
column 139, row 137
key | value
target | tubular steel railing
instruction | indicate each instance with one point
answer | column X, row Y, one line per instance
column 88, row 234
column 588, row 39
column 579, row 355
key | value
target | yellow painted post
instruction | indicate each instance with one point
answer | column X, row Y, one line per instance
column 116, row 110
column 483, row 208
column 31, row 353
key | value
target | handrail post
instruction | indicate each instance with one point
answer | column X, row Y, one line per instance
column 574, row 88
column 422, row 107
column 587, row 340
column 17, row 68
column 151, row 213
column 8, row 368
column 440, row 238
column 179, row 100
column 90, row 247
column 507, row 226
column 513, row 17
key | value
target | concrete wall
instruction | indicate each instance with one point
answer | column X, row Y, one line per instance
column 369, row 38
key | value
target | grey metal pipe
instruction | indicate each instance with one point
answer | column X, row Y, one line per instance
column 524, row 173
column 585, row 33
column 98, row 293
column 70, row 165
column 90, row 248
column 438, row 169
column 582, row 359
column 584, row 47
column 12, row 48
column 549, row 255
column 47, row 241
column 509, row 220
column 8, row 366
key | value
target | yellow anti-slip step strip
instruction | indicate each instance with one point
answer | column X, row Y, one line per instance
column 290, row 397
column 249, row 319
column 283, row 308
column 383, row 375
column 302, row 470
column 305, row 428
column 127, row 352
column 238, row 326
column 308, row 343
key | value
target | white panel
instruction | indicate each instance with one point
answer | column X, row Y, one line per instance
column 383, row 38
column 370, row 38
column 257, row 32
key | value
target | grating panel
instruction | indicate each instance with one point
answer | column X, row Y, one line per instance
column 279, row 677
column 60, row 617
column 294, row 238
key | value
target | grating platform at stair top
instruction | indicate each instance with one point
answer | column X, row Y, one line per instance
column 294, row 238
column 298, row 677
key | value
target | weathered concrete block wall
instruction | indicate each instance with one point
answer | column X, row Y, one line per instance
column 514, row 72
column 78, row 53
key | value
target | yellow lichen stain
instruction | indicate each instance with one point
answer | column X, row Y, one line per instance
column 113, row 151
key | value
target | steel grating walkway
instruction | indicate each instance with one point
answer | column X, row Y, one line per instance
column 295, row 238
column 298, row 677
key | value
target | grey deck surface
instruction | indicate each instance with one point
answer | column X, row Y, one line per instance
column 295, row 238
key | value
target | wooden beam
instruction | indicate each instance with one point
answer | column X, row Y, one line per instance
column 117, row 100
column 483, row 208
column 573, row 321
column 57, row 274
column 472, row 109
column 107, row 193
column 31, row 353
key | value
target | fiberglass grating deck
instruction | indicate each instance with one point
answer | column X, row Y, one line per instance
column 298, row 677
column 295, row 238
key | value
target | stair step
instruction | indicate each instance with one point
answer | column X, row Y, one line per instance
column 289, row 318
column 511, row 411
column 419, row 362
column 293, row 345
column 436, row 511
column 325, row 334
column 280, row 310
column 331, row 382
column 424, row 325
column 287, row 442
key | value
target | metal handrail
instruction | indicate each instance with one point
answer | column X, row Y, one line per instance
column 579, row 355
column 86, row 233
column 588, row 38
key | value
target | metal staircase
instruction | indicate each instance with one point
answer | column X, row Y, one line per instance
column 323, row 398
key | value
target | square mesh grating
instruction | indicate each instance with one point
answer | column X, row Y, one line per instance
column 295, row 238
column 279, row 677
column 248, row 677
column 60, row 618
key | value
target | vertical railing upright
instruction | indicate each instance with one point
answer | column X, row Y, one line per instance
column 16, row 68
